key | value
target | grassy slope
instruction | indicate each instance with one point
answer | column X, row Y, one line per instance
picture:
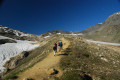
column 86, row 62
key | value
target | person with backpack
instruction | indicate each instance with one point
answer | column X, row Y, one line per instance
column 60, row 45
column 55, row 48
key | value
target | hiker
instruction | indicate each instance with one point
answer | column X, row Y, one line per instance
column 55, row 48
column 60, row 45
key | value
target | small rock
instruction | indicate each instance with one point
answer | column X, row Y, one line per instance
column 24, row 54
column 27, row 79
column 52, row 71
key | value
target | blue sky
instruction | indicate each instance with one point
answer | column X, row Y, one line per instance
column 40, row 16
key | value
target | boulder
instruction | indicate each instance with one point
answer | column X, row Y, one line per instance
column 52, row 71
column 14, row 61
column 3, row 41
column 24, row 54
column 5, row 70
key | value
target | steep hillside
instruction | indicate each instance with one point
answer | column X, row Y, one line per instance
column 92, row 29
column 80, row 60
column 107, row 31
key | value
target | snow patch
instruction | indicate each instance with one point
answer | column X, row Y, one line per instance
column 46, row 36
column 76, row 34
column 118, row 13
column 106, row 43
column 58, row 33
column 50, row 34
column 2, row 37
column 9, row 50
column 80, row 34
column 100, row 23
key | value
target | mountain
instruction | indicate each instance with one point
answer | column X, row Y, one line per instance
column 79, row 59
column 109, row 30
column 54, row 32
column 49, row 33
column 16, row 34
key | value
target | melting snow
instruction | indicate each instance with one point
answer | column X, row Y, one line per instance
column 100, row 23
column 107, row 43
column 2, row 37
column 9, row 50
column 77, row 34
column 118, row 13
column 58, row 33
column 46, row 36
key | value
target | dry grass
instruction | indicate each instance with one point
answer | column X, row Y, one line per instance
column 89, row 59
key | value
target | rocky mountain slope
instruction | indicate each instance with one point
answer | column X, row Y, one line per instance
column 109, row 30
column 16, row 34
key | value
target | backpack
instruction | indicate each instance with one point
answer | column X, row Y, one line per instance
column 54, row 48
column 60, row 43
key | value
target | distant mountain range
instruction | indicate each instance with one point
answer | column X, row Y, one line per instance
column 16, row 34
column 109, row 30
column 50, row 33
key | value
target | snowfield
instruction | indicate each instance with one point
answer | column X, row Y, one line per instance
column 76, row 34
column 9, row 50
column 46, row 36
column 2, row 37
column 106, row 43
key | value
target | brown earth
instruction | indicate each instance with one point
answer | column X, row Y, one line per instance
column 40, row 71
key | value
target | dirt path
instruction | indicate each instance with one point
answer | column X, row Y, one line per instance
column 41, row 69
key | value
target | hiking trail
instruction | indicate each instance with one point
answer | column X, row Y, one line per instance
column 40, row 70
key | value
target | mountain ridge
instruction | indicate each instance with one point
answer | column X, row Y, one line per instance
column 107, row 31
column 16, row 34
